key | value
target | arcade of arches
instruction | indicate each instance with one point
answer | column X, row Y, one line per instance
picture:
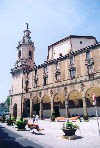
column 45, row 105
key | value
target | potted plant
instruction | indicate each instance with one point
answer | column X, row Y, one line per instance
column 21, row 124
column 69, row 128
column 53, row 117
column 13, row 119
column 86, row 118
column 9, row 121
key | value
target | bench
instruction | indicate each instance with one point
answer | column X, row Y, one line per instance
column 74, row 118
column 60, row 119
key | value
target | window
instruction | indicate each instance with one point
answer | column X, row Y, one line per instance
column 58, row 65
column 45, row 69
column 71, row 61
column 72, row 73
column 30, row 54
column 57, row 76
column 90, row 71
column 88, row 55
column 35, row 83
column 45, row 81
column 19, row 54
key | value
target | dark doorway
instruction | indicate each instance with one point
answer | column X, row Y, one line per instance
column 98, row 101
column 36, row 108
column 56, row 110
column 26, row 110
column 15, row 110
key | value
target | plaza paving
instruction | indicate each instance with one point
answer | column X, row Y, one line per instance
column 51, row 136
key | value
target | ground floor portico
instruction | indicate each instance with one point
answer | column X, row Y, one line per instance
column 63, row 99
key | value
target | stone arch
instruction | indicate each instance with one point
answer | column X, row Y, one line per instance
column 46, row 102
column 59, row 102
column 36, row 105
column 75, row 102
column 15, row 110
column 88, row 96
column 36, row 100
column 26, row 108
column 75, row 96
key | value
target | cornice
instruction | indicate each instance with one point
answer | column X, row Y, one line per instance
column 72, row 82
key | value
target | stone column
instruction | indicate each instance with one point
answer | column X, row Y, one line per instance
column 66, row 102
column 31, row 108
column 52, row 105
column 52, row 101
column 82, row 90
column 41, row 105
column 41, row 109
column 84, row 106
column 22, row 107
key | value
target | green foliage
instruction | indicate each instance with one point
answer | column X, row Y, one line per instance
column 13, row 118
column 21, row 124
column 53, row 117
column 3, row 118
column 9, row 121
column 4, row 107
column 8, row 101
column 70, row 125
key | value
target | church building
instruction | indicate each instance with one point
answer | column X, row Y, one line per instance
column 63, row 84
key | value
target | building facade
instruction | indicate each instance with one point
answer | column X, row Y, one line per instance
column 63, row 84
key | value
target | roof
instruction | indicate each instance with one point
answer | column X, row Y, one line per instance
column 72, row 36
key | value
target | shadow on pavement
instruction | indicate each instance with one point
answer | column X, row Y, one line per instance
column 9, row 139
column 37, row 133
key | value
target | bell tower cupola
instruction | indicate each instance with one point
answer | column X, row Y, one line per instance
column 26, row 46
column 25, row 56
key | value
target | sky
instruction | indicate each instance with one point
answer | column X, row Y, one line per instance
column 49, row 21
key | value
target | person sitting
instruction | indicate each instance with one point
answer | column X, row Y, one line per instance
column 34, row 126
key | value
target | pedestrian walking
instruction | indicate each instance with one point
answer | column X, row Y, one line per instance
column 33, row 118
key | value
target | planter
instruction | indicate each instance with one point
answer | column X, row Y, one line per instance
column 21, row 127
column 69, row 132
column 9, row 123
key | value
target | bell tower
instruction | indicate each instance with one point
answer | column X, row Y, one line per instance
column 26, row 49
column 25, row 56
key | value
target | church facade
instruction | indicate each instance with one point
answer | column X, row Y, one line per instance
column 63, row 84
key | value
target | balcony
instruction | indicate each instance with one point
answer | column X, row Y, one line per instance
column 45, row 75
column 71, row 66
column 57, row 72
column 35, row 78
column 89, row 62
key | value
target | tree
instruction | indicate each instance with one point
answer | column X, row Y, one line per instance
column 4, row 107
